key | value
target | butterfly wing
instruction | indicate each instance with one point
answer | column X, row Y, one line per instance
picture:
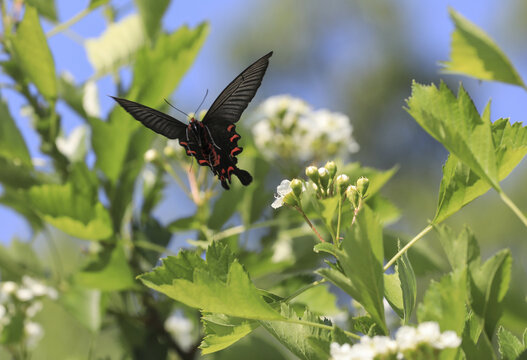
column 232, row 101
column 156, row 120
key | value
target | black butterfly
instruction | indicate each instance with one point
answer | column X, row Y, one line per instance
column 212, row 141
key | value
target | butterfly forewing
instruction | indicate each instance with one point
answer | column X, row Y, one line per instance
column 156, row 120
column 232, row 101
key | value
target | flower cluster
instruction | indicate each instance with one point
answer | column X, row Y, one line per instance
column 424, row 342
column 24, row 299
column 288, row 192
column 288, row 128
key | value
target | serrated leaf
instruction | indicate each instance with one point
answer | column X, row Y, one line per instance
column 488, row 285
column 110, row 271
column 222, row 331
column 408, row 281
column 12, row 144
column 473, row 53
column 510, row 346
column 456, row 123
column 460, row 185
column 361, row 259
column 444, row 302
column 33, row 54
column 394, row 294
column 461, row 250
column 295, row 337
column 479, row 348
column 151, row 14
column 219, row 285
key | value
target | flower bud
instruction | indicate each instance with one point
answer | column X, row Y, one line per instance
column 298, row 187
column 151, row 155
column 169, row 151
column 362, row 185
column 342, row 182
column 312, row 173
column 353, row 195
column 323, row 175
column 332, row 169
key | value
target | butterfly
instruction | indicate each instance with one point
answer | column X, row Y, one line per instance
column 213, row 141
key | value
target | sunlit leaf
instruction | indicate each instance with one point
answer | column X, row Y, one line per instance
column 456, row 123
column 33, row 54
column 461, row 250
column 473, row 53
column 97, row 3
column 217, row 285
column 12, row 144
column 444, row 302
column 45, row 8
column 408, row 281
column 222, row 331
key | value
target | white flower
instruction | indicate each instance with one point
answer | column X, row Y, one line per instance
column 8, row 287
column 406, row 338
column 151, row 155
column 448, row 339
column 428, row 332
column 181, row 329
column 34, row 309
column 323, row 172
column 34, row 333
column 90, row 100
column 74, row 146
column 282, row 190
column 340, row 352
column 3, row 311
column 24, row 294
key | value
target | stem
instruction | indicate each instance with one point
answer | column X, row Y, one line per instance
column 407, row 246
column 194, row 190
column 337, row 236
column 301, row 290
column 321, row 326
column 66, row 24
column 176, row 177
column 309, row 222
column 235, row 230
column 513, row 207
column 153, row 247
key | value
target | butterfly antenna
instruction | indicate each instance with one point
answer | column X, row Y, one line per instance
column 184, row 113
column 202, row 101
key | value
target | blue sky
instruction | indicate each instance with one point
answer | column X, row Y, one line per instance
column 427, row 27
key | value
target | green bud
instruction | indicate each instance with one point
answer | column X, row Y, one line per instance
column 342, row 182
column 332, row 168
column 291, row 199
column 312, row 173
column 362, row 185
column 169, row 151
column 298, row 187
column 323, row 175
column 353, row 195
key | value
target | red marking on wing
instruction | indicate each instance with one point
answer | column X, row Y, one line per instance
column 234, row 137
column 203, row 161
column 235, row 151
column 191, row 152
column 230, row 127
column 183, row 143
column 229, row 170
column 223, row 171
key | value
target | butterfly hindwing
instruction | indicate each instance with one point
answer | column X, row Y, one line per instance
column 156, row 120
column 233, row 100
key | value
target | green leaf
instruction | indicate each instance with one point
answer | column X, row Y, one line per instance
column 16, row 175
column 73, row 207
column 461, row 250
column 217, row 285
column 296, row 337
column 394, row 294
column 473, row 53
column 476, row 348
column 222, row 331
column 387, row 212
column 151, row 13
column 96, row 3
column 33, row 54
column 12, row 144
column 109, row 272
column 224, row 207
column 444, row 302
column 318, row 300
column 488, row 285
column 460, row 185
column 85, row 305
column 510, row 346
column 456, row 124
column 45, row 8
column 361, row 259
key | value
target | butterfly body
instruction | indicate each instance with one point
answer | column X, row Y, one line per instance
column 212, row 141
